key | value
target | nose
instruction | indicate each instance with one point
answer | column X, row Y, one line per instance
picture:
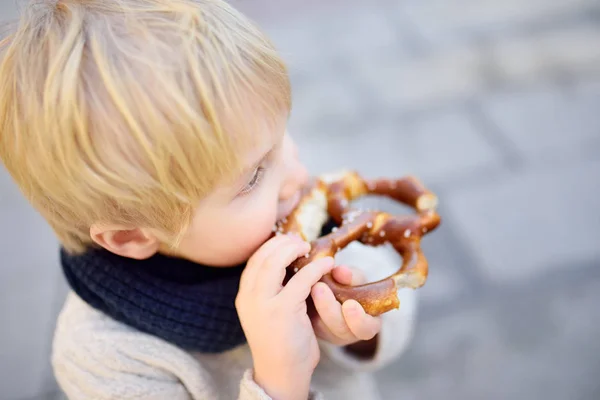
column 296, row 178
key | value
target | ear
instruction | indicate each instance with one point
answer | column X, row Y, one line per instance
column 127, row 242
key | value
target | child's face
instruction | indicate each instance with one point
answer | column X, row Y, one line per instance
column 235, row 220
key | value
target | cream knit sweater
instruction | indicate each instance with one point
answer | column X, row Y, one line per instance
column 96, row 357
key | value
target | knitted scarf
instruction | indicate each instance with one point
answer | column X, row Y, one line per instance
column 186, row 304
column 189, row 305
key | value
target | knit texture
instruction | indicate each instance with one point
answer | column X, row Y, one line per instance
column 186, row 304
column 96, row 357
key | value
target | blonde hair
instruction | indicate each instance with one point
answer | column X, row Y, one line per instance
column 131, row 111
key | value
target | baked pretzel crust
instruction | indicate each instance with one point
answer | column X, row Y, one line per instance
column 332, row 196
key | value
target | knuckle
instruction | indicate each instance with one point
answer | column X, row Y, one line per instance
column 344, row 332
column 341, row 330
column 270, row 263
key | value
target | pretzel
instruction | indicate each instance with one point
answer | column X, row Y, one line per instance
column 330, row 196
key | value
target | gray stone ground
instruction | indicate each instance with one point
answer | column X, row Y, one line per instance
column 496, row 106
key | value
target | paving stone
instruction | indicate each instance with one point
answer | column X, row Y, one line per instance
column 444, row 144
column 52, row 395
column 61, row 288
column 433, row 147
column 321, row 51
column 441, row 22
column 29, row 247
column 322, row 97
column 299, row 46
column 358, row 30
column 10, row 193
column 586, row 87
column 545, row 124
column 32, row 290
column 8, row 10
column 438, row 77
column 310, row 42
column 447, row 278
column 26, row 319
column 59, row 396
column 286, row 11
column 462, row 72
column 526, row 224
column 366, row 33
column 533, row 344
column 566, row 51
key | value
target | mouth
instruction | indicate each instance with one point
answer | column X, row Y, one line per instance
column 289, row 207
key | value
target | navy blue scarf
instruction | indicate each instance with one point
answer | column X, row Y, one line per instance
column 186, row 304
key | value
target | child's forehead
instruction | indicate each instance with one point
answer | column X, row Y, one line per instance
column 256, row 133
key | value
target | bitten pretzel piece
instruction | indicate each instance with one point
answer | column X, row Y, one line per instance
column 332, row 196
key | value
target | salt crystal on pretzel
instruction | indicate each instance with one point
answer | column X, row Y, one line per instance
column 330, row 196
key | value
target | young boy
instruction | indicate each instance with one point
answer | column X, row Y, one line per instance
column 151, row 135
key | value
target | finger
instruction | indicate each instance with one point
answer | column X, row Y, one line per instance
column 272, row 245
column 259, row 258
column 248, row 276
column 298, row 288
column 348, row 276
column 330, row 312
column 323, row 332
column 272, row 272
column 361, row 324
column 342, row 274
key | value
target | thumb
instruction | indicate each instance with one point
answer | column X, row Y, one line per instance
column 348, row 275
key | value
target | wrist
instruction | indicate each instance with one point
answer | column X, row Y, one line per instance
column 282, row 386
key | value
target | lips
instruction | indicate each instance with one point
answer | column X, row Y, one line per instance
column 289, row 207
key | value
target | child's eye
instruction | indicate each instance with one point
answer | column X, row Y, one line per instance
column 255, row 181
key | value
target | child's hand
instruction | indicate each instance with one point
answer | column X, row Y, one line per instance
column 342, row 324
column 275, row 320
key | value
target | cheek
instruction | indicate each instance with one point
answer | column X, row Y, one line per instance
column 255, row 224
column 230, row 235
column 242, row 231
column 229, row 240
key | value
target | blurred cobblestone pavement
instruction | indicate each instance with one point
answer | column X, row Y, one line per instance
column 496, row 106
